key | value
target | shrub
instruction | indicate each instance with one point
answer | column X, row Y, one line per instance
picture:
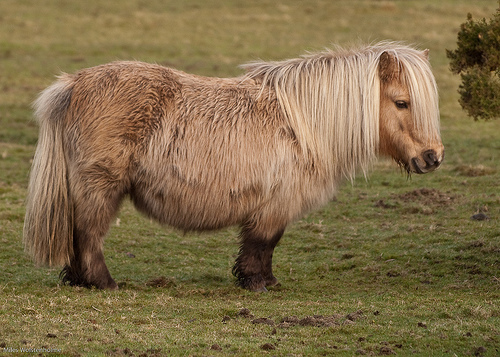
column 477, row 60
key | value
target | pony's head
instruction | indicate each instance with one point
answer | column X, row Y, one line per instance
column 409, row 112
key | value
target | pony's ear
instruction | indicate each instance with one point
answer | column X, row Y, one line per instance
column 387, row 66
column 426, row 53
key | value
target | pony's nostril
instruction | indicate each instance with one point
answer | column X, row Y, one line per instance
column 430, row 158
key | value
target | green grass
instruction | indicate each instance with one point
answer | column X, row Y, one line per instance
column 394, row 265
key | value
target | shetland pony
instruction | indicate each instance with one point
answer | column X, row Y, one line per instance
column 197, row 153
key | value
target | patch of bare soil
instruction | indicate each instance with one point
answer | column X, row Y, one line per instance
column 263, row 320
column 245, row 313
column 386, row 351
column 474, row 171
column 320, row 320
column 216, row 347
column 291, row 321
column 428, row 196
column 267, row 347
column 479, row 351
column 161, row 282
column 130, row 353
column 422, row 200
column 481, row 216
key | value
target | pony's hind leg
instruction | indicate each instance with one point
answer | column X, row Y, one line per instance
column 93, row 210
column 253, row 267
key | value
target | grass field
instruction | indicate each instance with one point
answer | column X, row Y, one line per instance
column 392, row 266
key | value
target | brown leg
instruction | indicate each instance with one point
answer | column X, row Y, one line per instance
column 93, row 212
column 87, row 268
column 253, row 267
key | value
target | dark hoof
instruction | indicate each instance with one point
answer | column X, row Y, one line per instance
column 105, row 284
column 72, row 278
column 112, row 286
column 271, row 281
column 256, row 283
column 252, row 283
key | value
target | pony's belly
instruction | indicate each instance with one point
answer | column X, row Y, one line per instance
column 194, row 209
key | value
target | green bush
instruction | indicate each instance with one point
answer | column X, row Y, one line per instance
column 477, row 60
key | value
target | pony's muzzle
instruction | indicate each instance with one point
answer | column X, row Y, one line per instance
column 431, row 161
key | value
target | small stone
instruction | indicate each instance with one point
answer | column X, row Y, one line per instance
column 267, row 347
column 245, row 313
column 480, row 217
column 386, row 351
column 479, row 351
column 216, row 347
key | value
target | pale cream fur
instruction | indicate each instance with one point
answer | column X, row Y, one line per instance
column 201, row 153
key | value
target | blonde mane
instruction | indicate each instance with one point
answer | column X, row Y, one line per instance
column 332, row 101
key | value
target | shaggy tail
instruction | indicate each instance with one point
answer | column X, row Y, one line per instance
column 48, row 225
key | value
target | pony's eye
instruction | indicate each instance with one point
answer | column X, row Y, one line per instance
column 401, row 104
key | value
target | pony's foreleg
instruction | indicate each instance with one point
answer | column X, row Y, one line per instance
column 93, row 213
column 253, row 267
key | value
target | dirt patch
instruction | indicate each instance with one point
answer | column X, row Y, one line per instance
column 245, row 313
column 422, row 200
column 479, row 351
column 263, row 320
column 386, row 351
column 385, row 204
column 291, row 321
column 479, row 217
column 428, row 197
column 128, row 352
column 161, row 282
column 353, row 316
column 474, row 171
column 120, row 352
column 320, row 320
column 216, row 347
column 267, row 347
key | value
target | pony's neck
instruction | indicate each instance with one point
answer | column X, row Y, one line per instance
column 332, row 104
